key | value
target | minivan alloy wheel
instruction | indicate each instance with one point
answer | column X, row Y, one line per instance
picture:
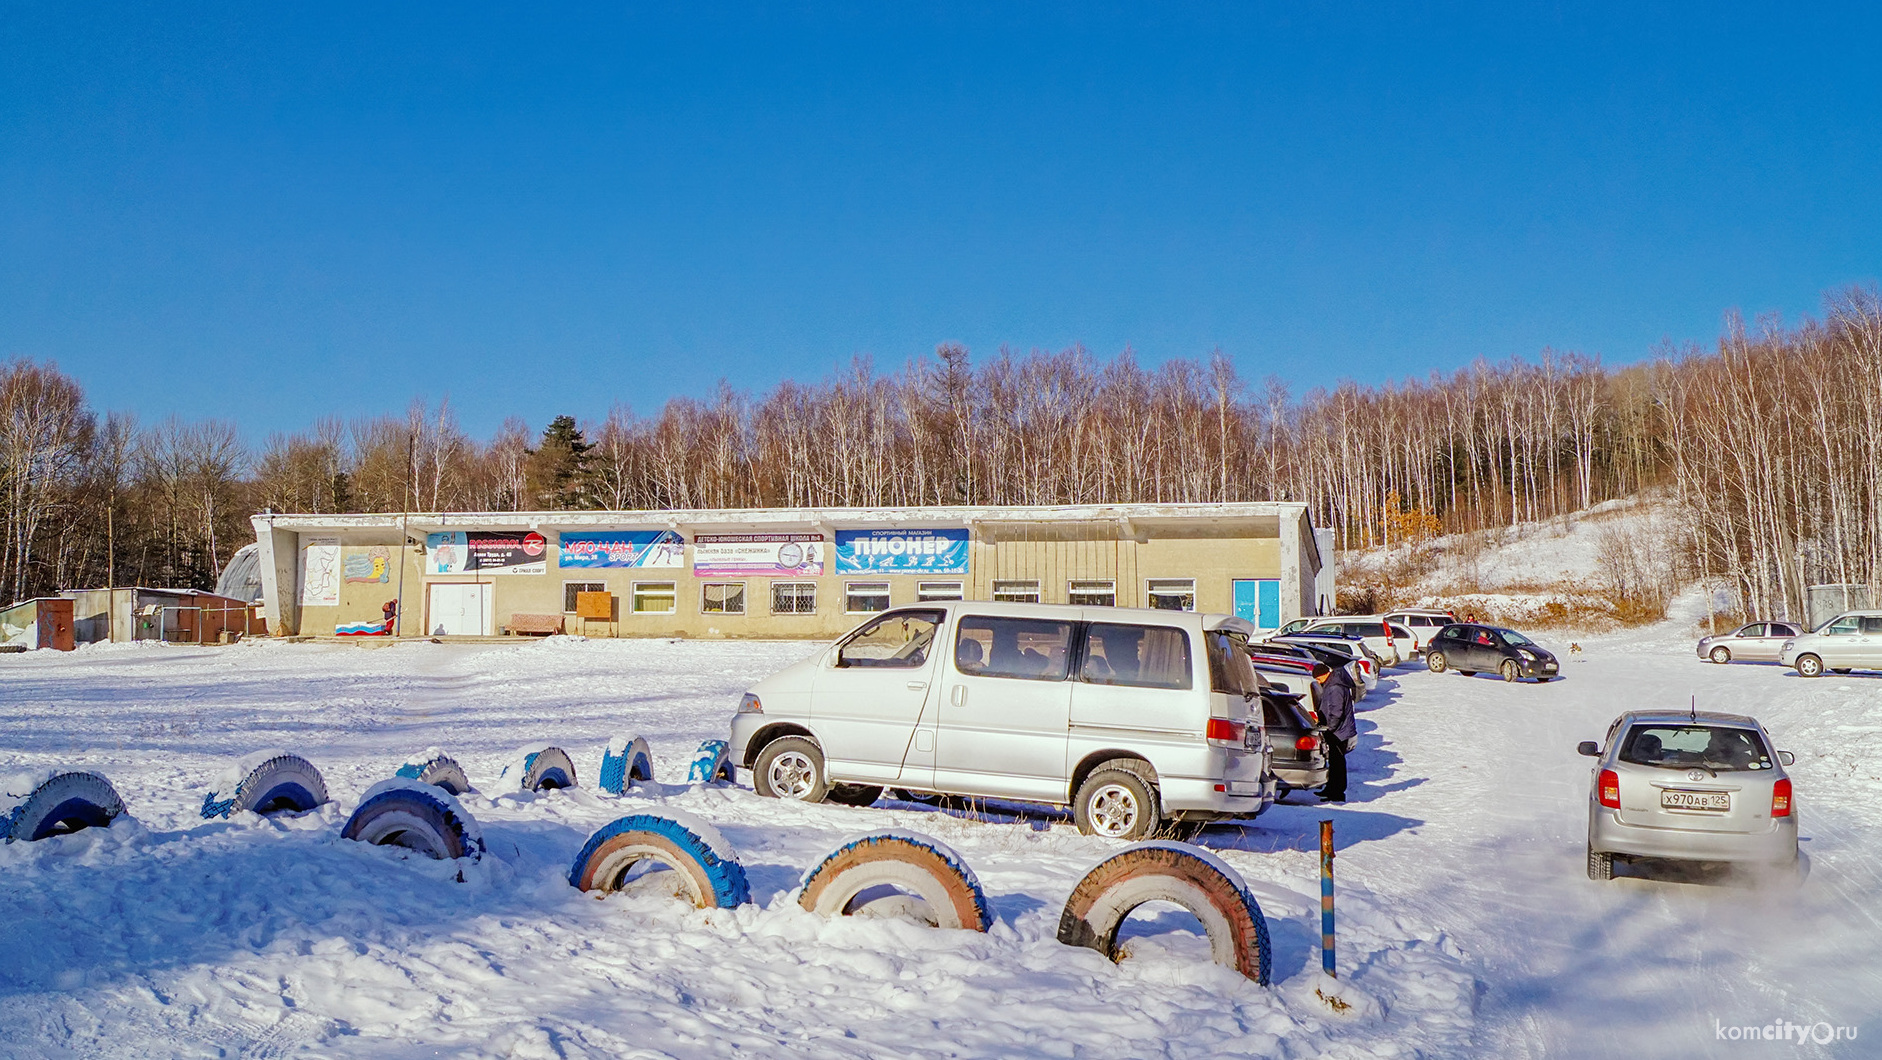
column 1114, row 810
column 792, row 775
column 1809, row 666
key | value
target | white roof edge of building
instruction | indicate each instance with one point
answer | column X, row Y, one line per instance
column 781, row 516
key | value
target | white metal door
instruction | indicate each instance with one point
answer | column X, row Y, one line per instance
column 458, row 610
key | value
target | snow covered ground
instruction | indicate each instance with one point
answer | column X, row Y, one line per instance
column 1465, row 914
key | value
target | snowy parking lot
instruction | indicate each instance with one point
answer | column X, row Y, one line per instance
column 1467, row 923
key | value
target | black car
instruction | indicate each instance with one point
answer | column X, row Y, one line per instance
column 1300, row 753
column 1470, row 649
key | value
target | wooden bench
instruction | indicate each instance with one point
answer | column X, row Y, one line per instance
column 544, row 625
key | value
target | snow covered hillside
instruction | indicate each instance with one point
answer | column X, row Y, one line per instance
column 1465, row 913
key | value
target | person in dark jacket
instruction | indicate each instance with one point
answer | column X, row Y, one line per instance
column 1336, row 713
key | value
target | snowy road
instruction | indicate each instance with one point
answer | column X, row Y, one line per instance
column 1464, row 907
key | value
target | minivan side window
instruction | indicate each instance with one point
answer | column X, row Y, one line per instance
column 897, row 640
column 1136, row 656
column 1028, row 649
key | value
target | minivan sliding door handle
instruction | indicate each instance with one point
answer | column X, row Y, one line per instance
column 959, row 695
column 916, row 686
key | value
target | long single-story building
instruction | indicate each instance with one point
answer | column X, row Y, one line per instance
column 773, row 572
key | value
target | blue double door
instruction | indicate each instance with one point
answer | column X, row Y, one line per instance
column 1259, row 601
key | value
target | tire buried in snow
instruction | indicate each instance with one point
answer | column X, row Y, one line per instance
column 539, row 767
column 1190, row 877
column 266, row 782
column 45, row 803
column 703, row 864
column 432, row 766
column 711, row 764
column 625, row 760
column 872, row 867
column 420, row 817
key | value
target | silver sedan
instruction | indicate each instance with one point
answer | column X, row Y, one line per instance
column 1757, row 642
column 1692, row 786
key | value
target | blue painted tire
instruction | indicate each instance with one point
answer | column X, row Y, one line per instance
column 705, row 865
column 711, row 764
column 904, row 862
column 280, row 782
column 419, row 817
column 623, row 761
column 436, row 768
column 545, row 768
column 64, row 802
column 1171, row 872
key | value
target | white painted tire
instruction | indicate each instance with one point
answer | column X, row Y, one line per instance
column 432, row 766
column 49, row 802
column 421, row 817
column 266, row 782
column 905, row 862
column 1187, row 875
column 704, row 864
column 625, row 760
column 539, row 767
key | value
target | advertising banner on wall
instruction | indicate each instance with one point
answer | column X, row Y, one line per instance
column 763, row 555
column 320, row 572
column 901, row 551
column 479, row 552
column 623, row 548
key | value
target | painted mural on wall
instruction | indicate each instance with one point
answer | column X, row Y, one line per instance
column 368, row 565
column 764, row 555
column 624, row 548
column 483, row 552
column 901, row 551
column 320, row 572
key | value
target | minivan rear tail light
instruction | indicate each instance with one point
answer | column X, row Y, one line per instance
column 1223, row 732
column 1306, row 743
column 1781, row 798
column 1609, row 789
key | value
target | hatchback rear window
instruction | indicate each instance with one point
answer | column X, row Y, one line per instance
column 1719, row 748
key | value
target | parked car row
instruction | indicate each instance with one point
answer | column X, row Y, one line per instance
column 1849, row 641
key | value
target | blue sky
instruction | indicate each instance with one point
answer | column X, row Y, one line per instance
column 268, row 212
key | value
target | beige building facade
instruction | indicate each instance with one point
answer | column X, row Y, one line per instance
column 772, row 573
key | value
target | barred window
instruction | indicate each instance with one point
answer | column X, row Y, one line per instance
column 1092, row 594
column 570, row 589
column 793, row 598
column 1016, row 592
column 926, row 591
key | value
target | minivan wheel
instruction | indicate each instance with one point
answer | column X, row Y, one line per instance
column 1721, row 654
column 1434, row 661
column 1509, row 670
column 1116, row 802
column 854, row 794
column 790, row 768
column 1600, row 866
column 1809, row 666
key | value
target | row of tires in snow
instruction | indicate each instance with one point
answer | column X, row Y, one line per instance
column 895, row 872
column 904, row 872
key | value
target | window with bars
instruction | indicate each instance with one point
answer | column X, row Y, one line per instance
column 722, row 598
column 570, row 589
column 793, row 598
column 926, row 591
column 1016, row 592
column 655, row 598
column 1092, row 594
column 1172, row 594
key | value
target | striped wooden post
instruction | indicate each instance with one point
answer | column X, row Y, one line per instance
column 1326, row 899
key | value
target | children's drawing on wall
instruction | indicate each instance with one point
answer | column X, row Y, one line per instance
column 369, row 565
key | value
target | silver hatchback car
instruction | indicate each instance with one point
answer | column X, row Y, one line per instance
column 1757, row 642
column 1692, row 786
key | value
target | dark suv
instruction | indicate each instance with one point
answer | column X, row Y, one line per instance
column 1471, row 649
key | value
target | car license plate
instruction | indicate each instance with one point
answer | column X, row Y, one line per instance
column 1548, row 666
column 1695, row 800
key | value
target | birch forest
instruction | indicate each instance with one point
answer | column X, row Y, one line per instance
column 1769, row 444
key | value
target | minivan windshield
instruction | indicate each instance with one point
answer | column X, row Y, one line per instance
column 1714, row 748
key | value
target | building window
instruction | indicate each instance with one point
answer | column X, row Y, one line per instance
column 1016, row 592
column 926, row 591
column 793, row 598
column 1092, row 594
column 569, row 589
column 865, row 598
column 1172, row 594
column 655, row 598
column 722, row 598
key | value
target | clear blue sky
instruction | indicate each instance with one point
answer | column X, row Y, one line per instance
column 267, row 212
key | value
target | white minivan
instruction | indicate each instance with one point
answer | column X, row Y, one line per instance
column 1134, row 718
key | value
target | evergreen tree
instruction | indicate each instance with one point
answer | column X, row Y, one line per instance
column 557, row 473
